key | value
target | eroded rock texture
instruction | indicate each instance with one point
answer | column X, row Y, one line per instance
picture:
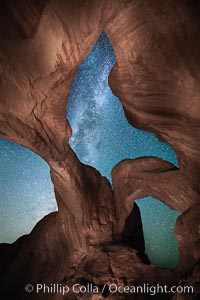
column 156, row 77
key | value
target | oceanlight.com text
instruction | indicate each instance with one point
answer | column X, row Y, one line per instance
column 109, row 288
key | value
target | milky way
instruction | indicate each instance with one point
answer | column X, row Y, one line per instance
column 102, row 137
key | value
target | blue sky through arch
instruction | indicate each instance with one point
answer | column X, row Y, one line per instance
column 102, row 137
column 27, row 192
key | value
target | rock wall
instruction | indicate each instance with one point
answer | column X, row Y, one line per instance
column 157, row 80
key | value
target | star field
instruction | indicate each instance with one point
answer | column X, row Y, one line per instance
column 102, row 137
column 27, row 193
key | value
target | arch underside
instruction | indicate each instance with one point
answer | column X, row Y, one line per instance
column 157, row 80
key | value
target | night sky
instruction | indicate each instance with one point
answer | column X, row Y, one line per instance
column 101, row 137
column 26, row 191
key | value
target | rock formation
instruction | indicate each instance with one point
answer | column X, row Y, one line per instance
column 156, row 77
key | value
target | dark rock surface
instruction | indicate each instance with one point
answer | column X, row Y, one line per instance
column 156, row 77
column 19, row 19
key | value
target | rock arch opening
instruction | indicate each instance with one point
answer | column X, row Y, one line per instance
column 158, row 228
column 27, row 193
column 101, row 134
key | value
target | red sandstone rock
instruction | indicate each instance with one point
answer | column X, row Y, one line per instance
column 157, row 79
